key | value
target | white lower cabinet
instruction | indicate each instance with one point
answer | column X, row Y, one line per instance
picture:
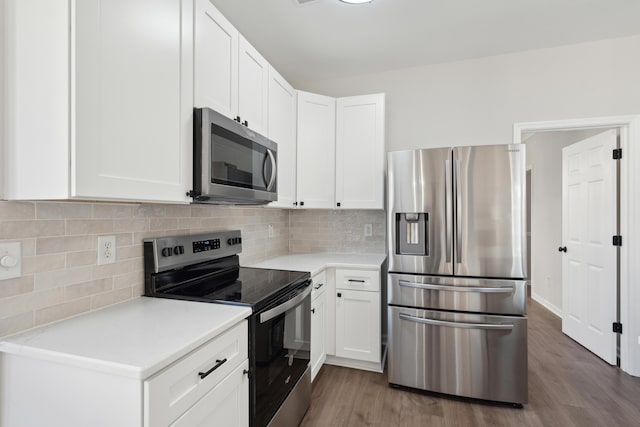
column 177, row 388
column 354, row 302
column 318, row 324
column 208, row 386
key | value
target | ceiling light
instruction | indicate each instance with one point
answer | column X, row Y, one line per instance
column 356, row 1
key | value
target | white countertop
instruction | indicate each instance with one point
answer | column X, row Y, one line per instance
column 133, row 339
column 316, row 262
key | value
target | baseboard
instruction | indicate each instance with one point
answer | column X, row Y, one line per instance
column 546, row 304
column 355, row 364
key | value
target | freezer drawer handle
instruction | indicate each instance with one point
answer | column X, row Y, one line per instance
column 456, row 324
column 483, row 290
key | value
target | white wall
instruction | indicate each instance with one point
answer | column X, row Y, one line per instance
column 544, row 157
column 477, row 101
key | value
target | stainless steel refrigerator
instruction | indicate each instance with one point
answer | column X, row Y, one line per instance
column 457, row 263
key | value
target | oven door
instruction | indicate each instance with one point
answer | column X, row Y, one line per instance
column 281, row 351
column 232, row 163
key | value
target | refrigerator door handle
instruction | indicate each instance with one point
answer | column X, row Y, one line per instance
column 479, row 289
column 434, row 322
column 448, row 209
column 458, row 213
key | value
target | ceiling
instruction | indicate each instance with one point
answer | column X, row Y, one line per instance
column 325, row 39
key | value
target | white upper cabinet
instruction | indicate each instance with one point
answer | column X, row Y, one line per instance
column 231, row 77
column 99, row 99
column 216, row 60
column 316, row 151
column 282, row 130
column 253, row 87
column 360, row 152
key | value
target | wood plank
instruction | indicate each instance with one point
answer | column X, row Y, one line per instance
column 568, row 386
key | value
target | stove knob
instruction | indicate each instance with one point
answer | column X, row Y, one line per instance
column 167, row 251
column 178, row 250
column 230, row 241
column 239, row 239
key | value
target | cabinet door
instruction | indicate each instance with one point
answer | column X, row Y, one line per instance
column 358, row 325
column 216, row 60
column 282, row 130
column 253, row 87
column 131, row 99
column 226, row 405
column 360, row 152
column 318, row 322
column 316, row 150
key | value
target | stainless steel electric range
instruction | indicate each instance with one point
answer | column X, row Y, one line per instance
column 205, row 267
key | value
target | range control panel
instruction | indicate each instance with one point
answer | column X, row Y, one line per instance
column 166, row 253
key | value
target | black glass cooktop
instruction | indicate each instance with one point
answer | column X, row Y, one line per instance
column 218, row 282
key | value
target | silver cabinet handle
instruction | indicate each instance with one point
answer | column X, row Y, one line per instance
column 434, row 322
column 272, row 179
column 319, row 286
column 275, row 311
column 458, row 214
column 448, row 202
column 483, row 290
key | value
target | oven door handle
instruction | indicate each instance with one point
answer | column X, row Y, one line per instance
column 275, row 311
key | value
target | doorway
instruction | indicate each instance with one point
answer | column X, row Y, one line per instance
column 630, row 194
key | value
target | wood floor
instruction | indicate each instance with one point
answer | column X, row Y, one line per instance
column 568, row 386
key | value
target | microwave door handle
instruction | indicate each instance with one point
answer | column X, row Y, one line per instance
column 270, row 180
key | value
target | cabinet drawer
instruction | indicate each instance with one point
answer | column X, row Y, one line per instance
column 319, row 284
column 359, row 280
column 227, row 404
column 168, row 394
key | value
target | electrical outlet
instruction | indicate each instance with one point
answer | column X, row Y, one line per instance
column 106, row 250
column 368, row 230
column 271, row 232
column 10, row 260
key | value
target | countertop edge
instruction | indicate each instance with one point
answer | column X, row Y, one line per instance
column 122, row 369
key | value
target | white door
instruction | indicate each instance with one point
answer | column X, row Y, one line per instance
column 318, row 319
column 358, row 325
column 282, row 130
column 316, row 151
column 360, row 152
column 216, row 60
column 253, row 81
column 131, row 99
column 589, row 265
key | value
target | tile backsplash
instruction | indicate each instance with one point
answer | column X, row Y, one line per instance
column 60, row 275
column 339, row 231
column 61, row 278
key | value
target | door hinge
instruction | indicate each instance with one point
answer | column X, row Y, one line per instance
column 617, row 153
column 617, row 240
column 617, row 327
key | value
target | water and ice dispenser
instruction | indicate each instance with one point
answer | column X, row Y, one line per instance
column 412, row 233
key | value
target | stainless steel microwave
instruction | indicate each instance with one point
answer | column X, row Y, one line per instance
column 232, row 164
